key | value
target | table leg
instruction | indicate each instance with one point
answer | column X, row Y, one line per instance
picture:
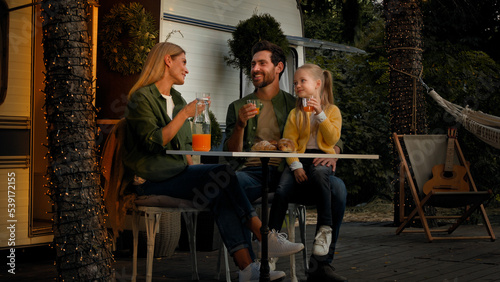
column 264, row 231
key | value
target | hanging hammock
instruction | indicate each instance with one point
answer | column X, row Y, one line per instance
column 486, row 127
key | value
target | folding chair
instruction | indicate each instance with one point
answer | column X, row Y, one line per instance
column 424, row 152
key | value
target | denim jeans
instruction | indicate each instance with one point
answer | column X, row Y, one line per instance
column 316, row 189
column 251, row 178
column 294, row 194
column 216, row 187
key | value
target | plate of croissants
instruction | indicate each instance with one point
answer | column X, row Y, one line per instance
column 284, row 145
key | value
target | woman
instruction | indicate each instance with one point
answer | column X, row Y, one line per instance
column 157, row 121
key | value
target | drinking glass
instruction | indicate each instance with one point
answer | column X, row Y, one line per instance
column 307, row 108
column 201, row 124
column 256, row 103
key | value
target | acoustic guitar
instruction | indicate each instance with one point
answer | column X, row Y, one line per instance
column 448, row 177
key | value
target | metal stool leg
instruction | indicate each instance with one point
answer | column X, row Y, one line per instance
column 223, row 252
column 191, row 218
column 301, row 213
column 291, row 236
column 136, row 217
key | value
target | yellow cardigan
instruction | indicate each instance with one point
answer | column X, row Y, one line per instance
column 328, row 131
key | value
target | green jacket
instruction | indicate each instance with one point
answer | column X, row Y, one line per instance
column 283, row 103
column 144, row 151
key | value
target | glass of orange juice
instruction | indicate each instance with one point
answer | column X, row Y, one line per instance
column 256, row 103
column 307, row 108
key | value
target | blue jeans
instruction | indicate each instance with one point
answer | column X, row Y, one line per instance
column 293, row 194
column 216, row 187
column 251, row 178
column 316, row 189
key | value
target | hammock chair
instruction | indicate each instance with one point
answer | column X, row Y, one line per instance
column 486, row 127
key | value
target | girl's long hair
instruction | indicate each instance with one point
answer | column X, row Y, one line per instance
column 154, row 67
column 326, row 91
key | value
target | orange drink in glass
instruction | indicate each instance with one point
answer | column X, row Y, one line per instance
column 256, row 103
column 201, row 142
column 306, row 107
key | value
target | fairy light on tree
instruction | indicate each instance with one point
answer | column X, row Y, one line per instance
column 80, row 237
column 406, row 97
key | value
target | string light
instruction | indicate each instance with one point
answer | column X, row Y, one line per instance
column 406, row 96
column 80, row 238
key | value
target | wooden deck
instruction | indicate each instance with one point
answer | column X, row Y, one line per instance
column 365, row 252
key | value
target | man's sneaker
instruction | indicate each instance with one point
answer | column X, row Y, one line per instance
column 252, row 273
column 325, row 273
column 322, row 241
column 279, row 246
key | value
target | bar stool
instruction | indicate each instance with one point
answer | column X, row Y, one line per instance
column 294, row 211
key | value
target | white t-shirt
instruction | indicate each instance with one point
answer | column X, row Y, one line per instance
column 169, row 104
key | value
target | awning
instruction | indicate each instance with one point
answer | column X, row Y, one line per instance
column 315, row 43
column 295, row 40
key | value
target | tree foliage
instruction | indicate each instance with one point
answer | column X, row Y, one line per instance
column 471, row 23
column 361, row 86
column 459, row 62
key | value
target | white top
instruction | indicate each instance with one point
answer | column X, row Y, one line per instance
column 170, row 105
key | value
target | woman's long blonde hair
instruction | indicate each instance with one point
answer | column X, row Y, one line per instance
column 326, row 90
column 154, row 67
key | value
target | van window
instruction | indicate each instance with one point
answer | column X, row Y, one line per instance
column 4, row 43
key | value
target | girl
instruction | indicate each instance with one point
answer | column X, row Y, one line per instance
column 311, row 132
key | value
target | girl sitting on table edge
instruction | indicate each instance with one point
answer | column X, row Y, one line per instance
column 157, row 121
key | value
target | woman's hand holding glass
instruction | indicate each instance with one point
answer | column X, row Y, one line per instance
column 190, row 109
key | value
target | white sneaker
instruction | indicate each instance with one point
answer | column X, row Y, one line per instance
column 279, row 246
column 322, row 241
column 252, row 273
column 272, row 263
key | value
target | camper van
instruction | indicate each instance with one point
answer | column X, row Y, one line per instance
column 201, row 27
column 25, row 209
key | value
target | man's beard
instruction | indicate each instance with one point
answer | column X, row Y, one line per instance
column 267, row 78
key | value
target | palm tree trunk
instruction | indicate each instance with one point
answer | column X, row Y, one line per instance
column 80, row 238
column 407, row 98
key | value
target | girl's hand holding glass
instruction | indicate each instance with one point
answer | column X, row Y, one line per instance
column 315, row 105
column 305, row 104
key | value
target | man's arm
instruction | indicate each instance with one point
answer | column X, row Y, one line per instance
column 328, row 161
column 235, row 126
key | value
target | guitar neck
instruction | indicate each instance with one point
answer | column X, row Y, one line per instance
column 450, row 151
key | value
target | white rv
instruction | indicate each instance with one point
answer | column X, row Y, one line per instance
column 25, row 210
column 205, row 27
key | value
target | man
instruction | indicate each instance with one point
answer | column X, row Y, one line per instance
column 244, row 128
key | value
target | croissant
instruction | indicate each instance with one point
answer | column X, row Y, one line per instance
column 286, row 145
column 263, row 146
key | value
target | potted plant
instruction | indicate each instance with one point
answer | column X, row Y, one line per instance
column 247, row 33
